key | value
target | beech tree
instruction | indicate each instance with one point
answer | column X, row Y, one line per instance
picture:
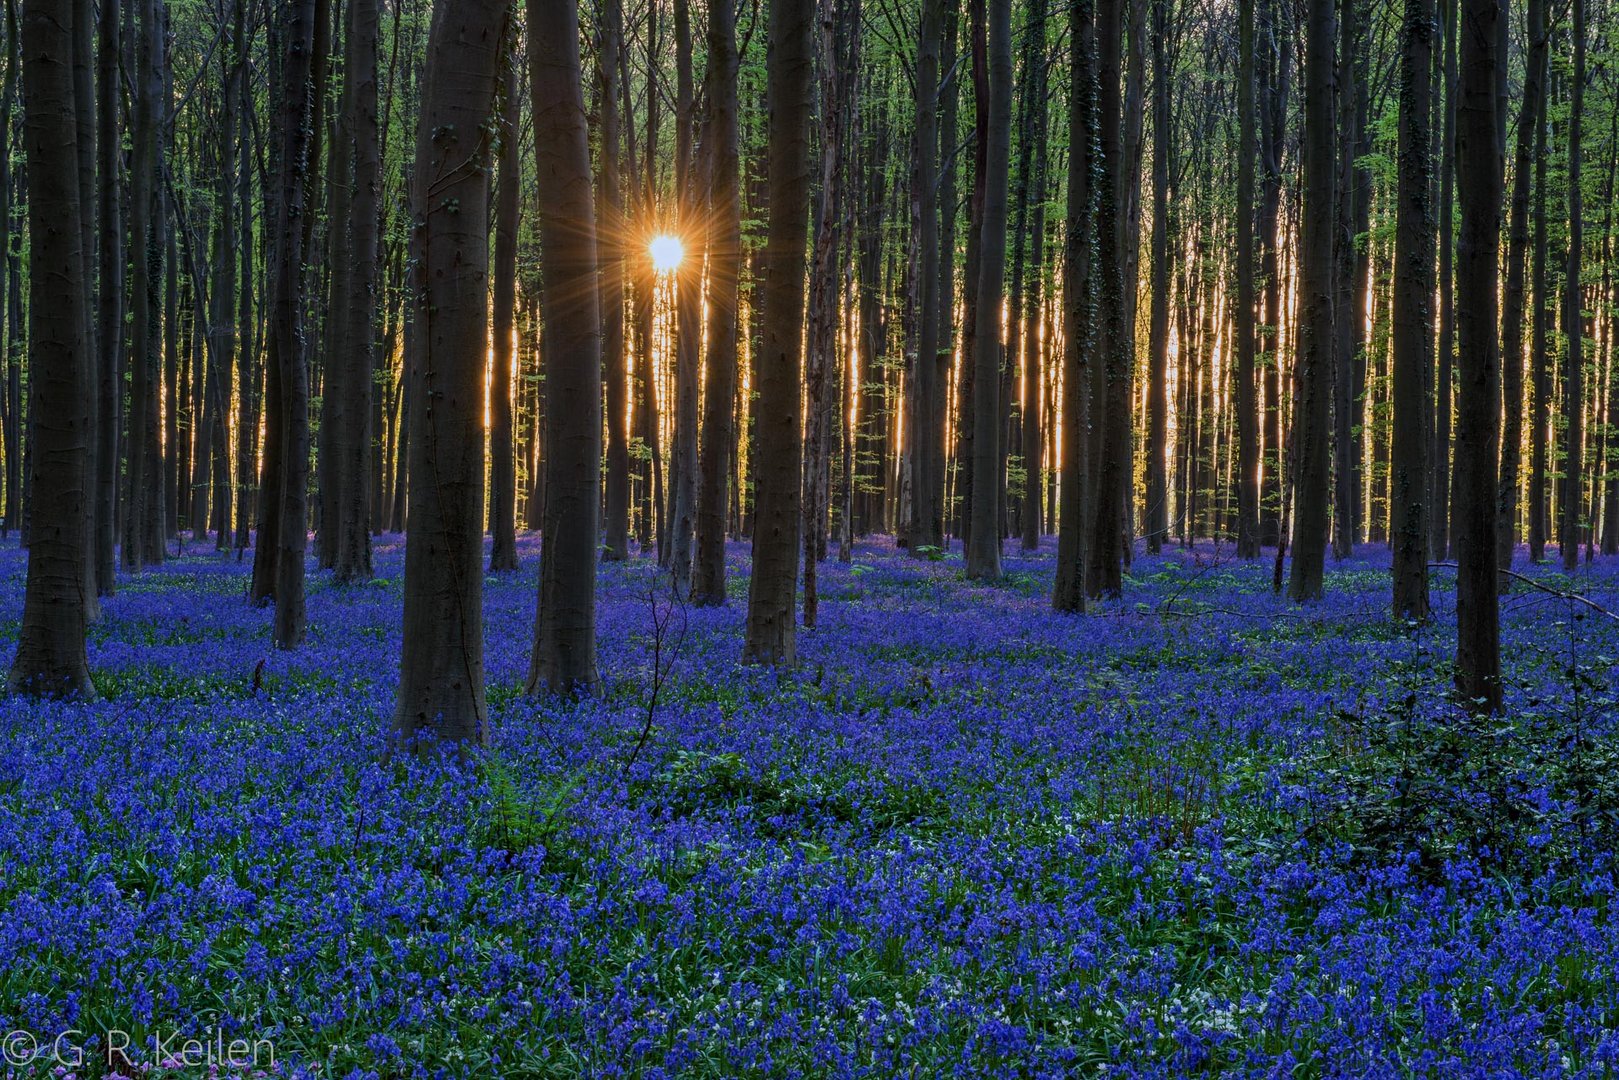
column 51, row 658
column 724, row 268
column 1068, row 589
column 984, row 544
column 1315, row 308
column 502, row 467
column 1413, row 322
column 1478, row 401
column 441, row 675
column 564, row 657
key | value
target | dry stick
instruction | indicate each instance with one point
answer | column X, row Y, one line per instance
column 1559, row 593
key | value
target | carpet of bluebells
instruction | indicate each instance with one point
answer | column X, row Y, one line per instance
column 1197, row 830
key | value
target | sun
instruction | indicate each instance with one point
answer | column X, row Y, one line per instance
column 666, row 252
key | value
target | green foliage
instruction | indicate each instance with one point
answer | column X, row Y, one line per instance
column 516, row 818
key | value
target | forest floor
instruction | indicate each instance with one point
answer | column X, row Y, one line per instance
column 1197, row 830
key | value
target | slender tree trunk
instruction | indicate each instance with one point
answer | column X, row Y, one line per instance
column 1242, row 321
column 502, row 465
column 930, row 370
column 1032, row 355
column 147, row 262
column 110, row 313
column 336, row 370
column 1512, row 317
column 1478, row 164
column 11, row 285
column 564, row 658
column 1413, row 317
column 1438, row 499
column 51, row 659
column 1572, row 502
column 984, row 543
column 288, row 366
column 1273, row 78
column 441, row 672
column 1315, row 309
column 771, row 630
column 1540, row 360
column 85, row 147
column 1110, row 405
column 247, row 500
column 610, row 207
column 353, row 443
column 724, row 267
column 1068, row 588
column 688, row 281
column 820, row 358
column 1156, row 524
column 1346, row 328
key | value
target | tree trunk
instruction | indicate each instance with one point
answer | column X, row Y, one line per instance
column 771, row 633
column 564, row 658
column 1068, row 587
column 724, row 268
column 1438, row 500
column 1243, row 319
column 441, row 673
column 353, row 443
column 610, row 207
column 502, row 464
column 1572, row 502
column 85, row 148
column 1346, row 328
column 288, row 365
column 51, row 659
column 1315, row 309
column 1539, row 358
column 1273, row 92
column 1478, row 164
column 984, row 536
column 110, row 313
column 142, row 517
column 688, row 280
column 1413, row 317
column 1033, row 357
column 1512, row 318
column 1110, row 404
column 930, row 369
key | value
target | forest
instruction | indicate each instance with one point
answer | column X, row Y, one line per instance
column 809, row 538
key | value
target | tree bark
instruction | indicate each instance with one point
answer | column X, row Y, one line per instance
column 930, row 369
column 1413, row 317
column 564, row 658
column 441, row 673
column 984, row 539
column 1244, row 317
column 1572, row 503
column 142, row 541
column 1478, row 164
column 1110, row 404
column 724, row 268
column 51, row 658
column 1068, row 586
column 353, row 443
column 610, row 207
column 502, row 463
column 688, row 279
column 288, row 364
column 110, row 311
column 1512, row 318
column 771, row 630
column 1346, row 327
column 1316, row 309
